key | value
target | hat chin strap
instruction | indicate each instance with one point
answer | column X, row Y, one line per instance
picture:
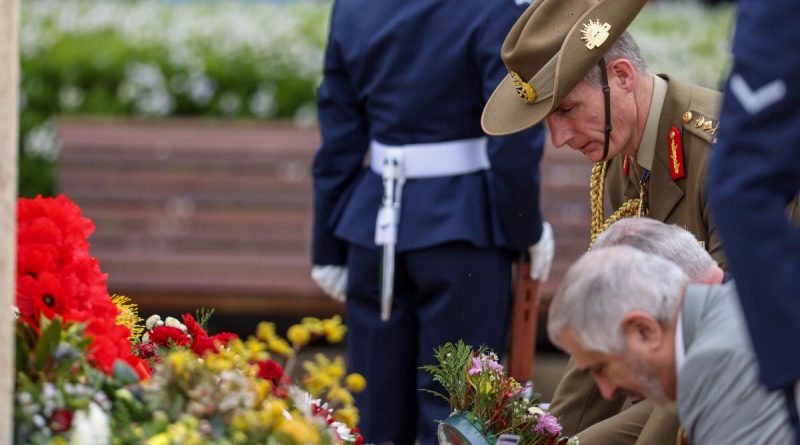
column 607, row 99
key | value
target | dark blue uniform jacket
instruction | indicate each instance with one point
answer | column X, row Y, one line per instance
column 430, row 88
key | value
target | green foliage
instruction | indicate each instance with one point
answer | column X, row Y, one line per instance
column 248, row 60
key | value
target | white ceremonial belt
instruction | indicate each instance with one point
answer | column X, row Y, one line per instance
column 434, row 159
column 395, row 164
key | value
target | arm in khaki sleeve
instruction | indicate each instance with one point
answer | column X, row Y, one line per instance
column 577, row 402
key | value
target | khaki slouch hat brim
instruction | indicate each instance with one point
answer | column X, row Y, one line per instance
column 548, row 51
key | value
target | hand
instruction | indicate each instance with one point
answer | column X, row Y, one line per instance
column 332, row 280
column 542, row 254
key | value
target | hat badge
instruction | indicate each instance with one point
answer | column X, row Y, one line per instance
column 524, row 89
column 594, row 33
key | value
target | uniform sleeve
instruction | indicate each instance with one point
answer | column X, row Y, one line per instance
column 577, row 402
column 339, row 160
column 515, row 158
column 755, row 173
column 720, row 401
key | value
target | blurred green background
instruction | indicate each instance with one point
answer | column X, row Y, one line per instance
column 240, row 60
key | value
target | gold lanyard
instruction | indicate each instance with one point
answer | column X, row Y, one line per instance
column 632, row 207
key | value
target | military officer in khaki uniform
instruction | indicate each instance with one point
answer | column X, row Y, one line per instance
column 571, row 62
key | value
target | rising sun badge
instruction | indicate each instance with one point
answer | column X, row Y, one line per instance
column 594, row 33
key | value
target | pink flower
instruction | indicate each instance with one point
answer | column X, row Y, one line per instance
column 547, row 422
column 494, row 366
column 476, row 366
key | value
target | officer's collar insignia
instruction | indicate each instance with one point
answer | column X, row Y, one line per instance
column 594, row 33
column 524, row 89
column 677, row 169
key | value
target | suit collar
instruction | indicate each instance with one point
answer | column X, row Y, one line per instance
column 692, row 307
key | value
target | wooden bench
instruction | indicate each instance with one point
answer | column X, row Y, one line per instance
column 193, row 213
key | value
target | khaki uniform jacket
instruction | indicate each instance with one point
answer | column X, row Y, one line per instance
column 676, row 201
column 577, row 402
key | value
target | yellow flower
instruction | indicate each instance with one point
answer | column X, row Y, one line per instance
column 356, row 382
column 280, row 347
column 300, row 432
column 159, row 439
column 128, row 315
column 266, row 331
column 314, row 325
column 299, row 335
column 348, row 416
column 339, row 394
column 255, row 350
column 58, row 440
column 180, row 361
column 263, row 388
column 334, row 329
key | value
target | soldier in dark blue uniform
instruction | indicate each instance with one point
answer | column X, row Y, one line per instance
column 754, row 174
column 413, row 202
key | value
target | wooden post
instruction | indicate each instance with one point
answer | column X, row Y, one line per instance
column 524, row 320
column 9, row 128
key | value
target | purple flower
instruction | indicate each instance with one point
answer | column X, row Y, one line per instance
column 494, row 366
column 476, row 366
column 547, row 422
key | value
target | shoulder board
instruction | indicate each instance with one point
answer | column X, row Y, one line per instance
column 702, row 125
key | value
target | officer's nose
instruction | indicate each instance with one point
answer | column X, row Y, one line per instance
column 560, row 134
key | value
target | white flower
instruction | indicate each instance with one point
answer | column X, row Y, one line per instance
column 535, row 410
column 343, row 431
column 91, row 428
column 153, row 321
column 174, row 323
column 146, row 338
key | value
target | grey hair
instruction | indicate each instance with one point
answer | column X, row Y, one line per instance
column 624, row 48
column 668, row 241
column 606, row 284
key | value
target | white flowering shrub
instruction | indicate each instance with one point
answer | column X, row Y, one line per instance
column 686, row 39
column 239, row 59
column 232, row 59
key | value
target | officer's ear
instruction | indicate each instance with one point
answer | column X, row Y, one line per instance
column 623, row 73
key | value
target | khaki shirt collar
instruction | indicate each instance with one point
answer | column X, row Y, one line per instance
column 647, row 149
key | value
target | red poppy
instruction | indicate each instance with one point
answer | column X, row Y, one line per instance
column 168, row 336
column 204, row 344
column 270, row 370
column 194, row 328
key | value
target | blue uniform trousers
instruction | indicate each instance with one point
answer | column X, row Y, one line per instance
column 443, row 293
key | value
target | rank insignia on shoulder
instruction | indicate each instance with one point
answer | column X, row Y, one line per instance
column 677, row 168
column 700, row 124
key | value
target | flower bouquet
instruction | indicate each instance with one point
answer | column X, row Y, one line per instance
column 488, row 406
column 86, row 364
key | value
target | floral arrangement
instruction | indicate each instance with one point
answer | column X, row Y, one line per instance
column 488, row 404
column 87, row 364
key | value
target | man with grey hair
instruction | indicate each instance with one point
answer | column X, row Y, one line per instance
column 577, row 401
column 633, row 321
column 668, row 241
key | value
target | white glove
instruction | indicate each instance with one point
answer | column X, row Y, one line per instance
column 332, row 280
column 542, row 254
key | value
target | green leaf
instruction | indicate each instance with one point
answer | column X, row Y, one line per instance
column 124, row 374
column 47, row 343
